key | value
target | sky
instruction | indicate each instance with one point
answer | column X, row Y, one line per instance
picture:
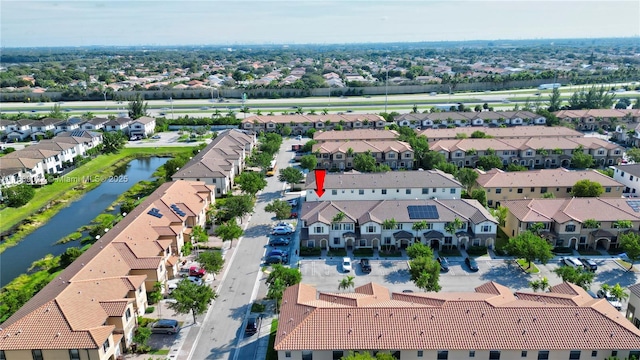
column 28, row 23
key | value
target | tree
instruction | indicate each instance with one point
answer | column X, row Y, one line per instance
column 536, row 228
column 69, row 255
column 616, row 291
column 308, row 146
column 540, row 284
column 280, row 208
column 364, row 162
column 582, row 278
column 530, row 247
column 229, row 231
column 251, row 182
column 419, row 226
column 587, row 188
column 290, row 175
column 211, row 260
column 338, row 217
column 19, row 195
column 580, row 160
column 141, row 337
column 417, row 250
column 480, row 195
column 467, row 178
column 199, row 234
column 238, row 206
column 191, row 298
column 489, row 162
column 634, row 154
column 367, row 356
column 288, row 276
column 346, row 282
column 425, row 273
column 113, row 141
column 555, row 101
column 308, row 162
column 591, row 224
column 137, row 107
column 630, row 243
column 275, row 292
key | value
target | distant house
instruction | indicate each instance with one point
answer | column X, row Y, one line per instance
column 97, row 123
column 119, row 124
column 19, row 130
column 594, row 119
column 629, row 176
column 300, row 124
column 143, row 126
column 533, row 184
column 356, row 134
column 39, row 128
column 340, row 155
column 519, row 132
column 484, row 119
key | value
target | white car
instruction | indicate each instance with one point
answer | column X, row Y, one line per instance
column 293, row 202
column 195, row 279
column 346, row 264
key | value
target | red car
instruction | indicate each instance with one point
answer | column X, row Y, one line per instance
column 294, row 215
column 196, row 271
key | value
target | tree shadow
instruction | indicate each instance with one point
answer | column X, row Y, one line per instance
column 507, row 274
column 617, row 276
column 400, row 276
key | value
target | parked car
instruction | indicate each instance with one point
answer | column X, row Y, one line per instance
column 279, row 252
column 197, row 271
column 286, row 224
column 164, row 326
column 573, row 262
column 275, row 259
column 589, row 264
column 365, row 266
column 155, row 137
column 614, row 301
column 346, row 264
column 281, row 230
column 293, row 202
column 299, row 137
column 252, row 326
column 293, row 215
column 444, row 264
column 279, row 242
column 195, row 279
column 471, row 263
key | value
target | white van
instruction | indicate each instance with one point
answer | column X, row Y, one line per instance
column 573, row 262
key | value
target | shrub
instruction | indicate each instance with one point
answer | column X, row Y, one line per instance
column 477, row 250
column 310, row 251
column 258, row 307
column 562, row 250
column 150, row 309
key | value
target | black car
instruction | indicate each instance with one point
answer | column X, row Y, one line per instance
column 279, row 242
column 589, row 264
column 444, row 264
column 252, row 326
column 365, row 266
column 278, row 252
column 472, row 264
column 275, row 259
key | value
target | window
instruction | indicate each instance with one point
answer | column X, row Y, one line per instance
column 425, row 191
column 452, row 191
column 387, row 240
column 338, row 354
column 361, row 192
column 570, row 228
column 594, row 353
column 335, row 226
column 127, row 314
column 334, row 192
column 543, row 355
column 371, row 229
column 520, row 191
column 336, row 241
column 420, row 353
column 607, row 189
column 490, row 202
column 498, row 191
column 318, row 230
column 443, row 354
column 408, row 191
column 533, row 189
column 311, row 243
column 307, row 355
column 384, row 191
column 338, row 156
column 2, row 355
column 36, row 354
column 543, row 190
column 614, row 352
column 448, row 240
column 486, row 228
column 494, row 355
column 391, row 156
column 559, row 242
column 472, row 353
column 574, row 355
column 74, row 354
column 407, row 155
column 105, row 345
column 523, row 353
column 363, row 242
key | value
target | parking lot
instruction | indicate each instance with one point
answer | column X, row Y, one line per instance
column 325, row 274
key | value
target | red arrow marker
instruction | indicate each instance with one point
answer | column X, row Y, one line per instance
column 320, row 174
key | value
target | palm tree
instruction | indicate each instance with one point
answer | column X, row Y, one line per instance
column 389, row 224
column 536, row 228
column 275, row 292
column 338, row 217
column 325, row 111
column 419, row 226
column 454, row 225
column 616, row 291
column 346, row 283
column 350, row 152
column 591, row 224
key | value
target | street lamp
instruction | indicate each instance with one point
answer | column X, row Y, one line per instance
column 386, row 87
column 105, row 99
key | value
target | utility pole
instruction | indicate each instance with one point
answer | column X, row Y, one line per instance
column 386, row 87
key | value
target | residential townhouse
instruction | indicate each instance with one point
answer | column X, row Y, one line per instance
column 18, row 130
column 300, row 124
column 89, row 311
column 490, row 323
column 51, row 159
column 71, row 124
column 391, row 185
column 533, row 184
column 363, row 224
column 578, row 223
column 143, row 126
column 4, row 124
column 536, row 152
column 95, row 124
column 520, row 132
column 43, row 127
column 14, row 171
column 356, row 134
column 594, row 119
column 628, row 175
column 340, row 155
column 219, row 162
column 633, row 307
column 462, row 119
column 119, row 124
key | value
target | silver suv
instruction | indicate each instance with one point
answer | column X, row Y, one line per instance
column 165, row 326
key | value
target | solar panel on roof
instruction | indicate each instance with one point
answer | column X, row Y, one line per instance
column 634, row 205
column 423, row 212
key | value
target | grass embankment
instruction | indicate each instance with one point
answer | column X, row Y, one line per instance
column 271, row 353
column 52, row 198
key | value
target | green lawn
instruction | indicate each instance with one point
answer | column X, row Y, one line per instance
column 524, row 265
column 271, row 353
column 60, row 193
